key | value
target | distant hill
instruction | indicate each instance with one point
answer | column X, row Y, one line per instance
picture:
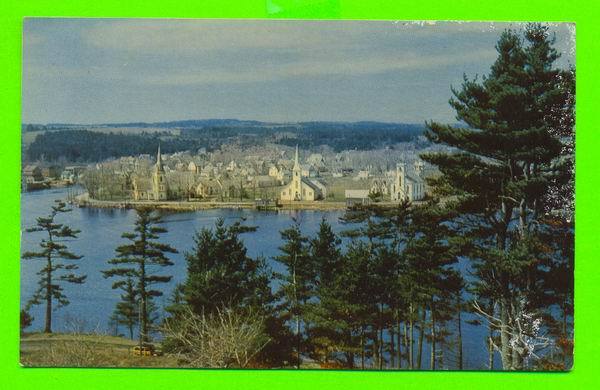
column 88, row 143
column 223, row 123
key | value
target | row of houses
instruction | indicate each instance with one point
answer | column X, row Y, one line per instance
column 163, row 184
column 182, row 176
column 36, row 176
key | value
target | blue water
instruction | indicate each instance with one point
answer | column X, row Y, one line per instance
column 92, row 303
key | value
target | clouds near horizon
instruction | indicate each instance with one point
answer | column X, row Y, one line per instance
column 126, row 70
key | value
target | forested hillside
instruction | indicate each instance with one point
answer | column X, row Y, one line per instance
column 79, row 145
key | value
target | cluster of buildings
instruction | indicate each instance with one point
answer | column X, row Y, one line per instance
column 302, row 187
column 37, row 176
column 263, row 175
column 192, row 180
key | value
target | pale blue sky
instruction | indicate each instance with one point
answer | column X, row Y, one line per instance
column 127, row 70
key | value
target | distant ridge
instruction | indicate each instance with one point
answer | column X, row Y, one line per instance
column 228, row 122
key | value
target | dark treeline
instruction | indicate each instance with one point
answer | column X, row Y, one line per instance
column 368, row 305
column 80, row 145
column 352, row 136
column 90, row 146
column 310, row 135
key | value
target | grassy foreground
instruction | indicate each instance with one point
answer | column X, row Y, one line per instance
column 85, row 350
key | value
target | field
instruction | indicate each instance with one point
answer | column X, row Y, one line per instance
column 85, row 350
column 92, row 350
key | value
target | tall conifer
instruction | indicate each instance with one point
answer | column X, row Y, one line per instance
column 140, row 261
column 502, row 169
column 54, row 273
column 297, row 283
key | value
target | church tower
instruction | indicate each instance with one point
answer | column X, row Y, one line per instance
column 297, row 178
column 399, row 188
column 159, row 182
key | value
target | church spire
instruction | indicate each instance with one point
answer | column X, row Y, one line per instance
column 296, row 163
column 159, row 159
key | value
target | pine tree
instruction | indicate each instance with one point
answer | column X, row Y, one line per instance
column 428, row 271
column 326, row 256
column 384, row 231
column 503, row 169
column 325, row 253
column 379, row 281
column 127, row 310
column 297, row 284
column 140, row 260
column 356, row 298
column 54, row 273
column 25, row 320
column 396, row 223
column 221, row 274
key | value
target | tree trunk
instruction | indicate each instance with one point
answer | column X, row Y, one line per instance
column 432, row 361
column 381, row 348
column 375, row 360
column 442, row 360
column 517, row 360
column 362, row 347
column 522, row 218
column 565, row 331
column 380, row 353
column 490, row 351
column 349, row 360
column 392, row 347
column 298, row 341
column 459, row 341
column 144, row 330
column 399, row 335
column 421, row 334
column 505, row 350
column 48, row 325
column 296, row 313
column 411, row 335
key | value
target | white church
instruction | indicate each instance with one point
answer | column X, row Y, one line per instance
column 302, row 188
column 408, row 186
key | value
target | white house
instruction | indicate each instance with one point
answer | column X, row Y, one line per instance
column 354, row 197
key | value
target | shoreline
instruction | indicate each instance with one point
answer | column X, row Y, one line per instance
column 84, row 201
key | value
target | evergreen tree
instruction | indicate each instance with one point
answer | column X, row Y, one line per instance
column 54, row 273
column 428, row 273
column 503, row 169
column 384, row 232
column 297, row 284
column 127, row 310
column 221, row 274
column 396, row 223
column 325, row 254
column 140, row 260
column 356, row 302
column 25, row 320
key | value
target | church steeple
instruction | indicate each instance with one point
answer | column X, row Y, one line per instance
column 159, row 165
column 296, row 162
column 159, row 183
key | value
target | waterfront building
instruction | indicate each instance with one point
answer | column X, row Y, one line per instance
column 154, row 189
column 301, row 188
column 406, row 186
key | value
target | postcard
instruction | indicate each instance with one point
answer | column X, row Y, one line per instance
column 297, row 194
